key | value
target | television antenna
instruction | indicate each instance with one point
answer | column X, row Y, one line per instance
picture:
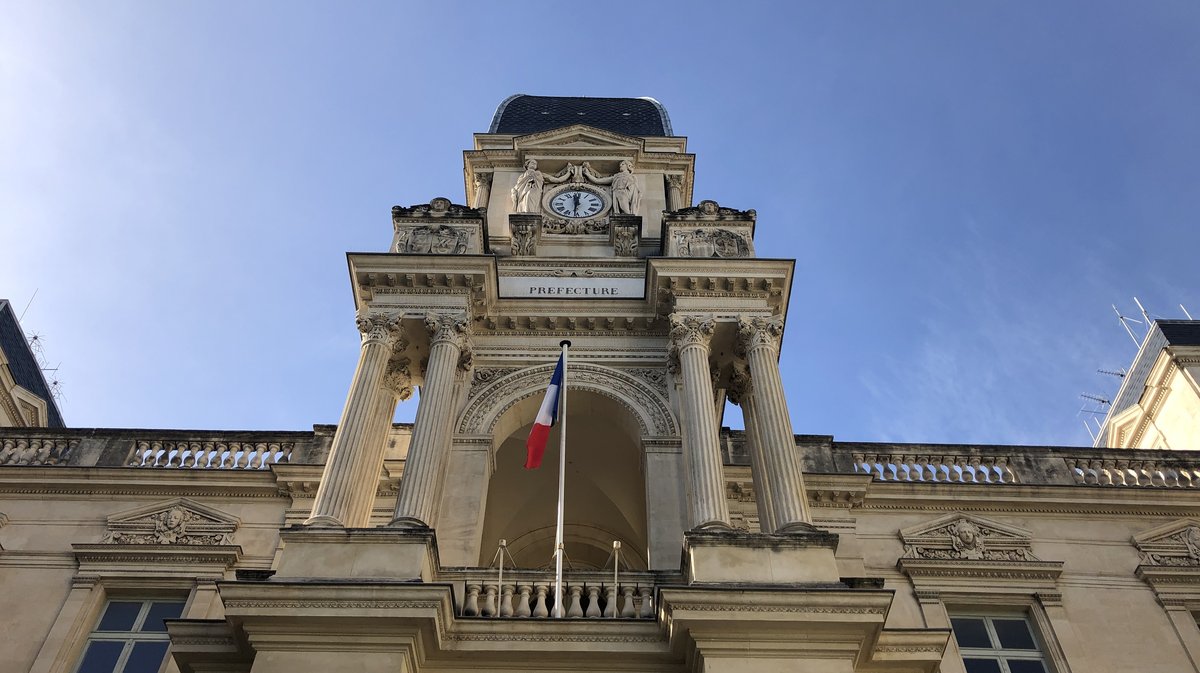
column 1125, row 320
column 1119, row 373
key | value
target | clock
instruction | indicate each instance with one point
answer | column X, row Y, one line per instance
column 577, row 203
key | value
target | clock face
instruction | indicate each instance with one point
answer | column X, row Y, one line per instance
column 576, row 203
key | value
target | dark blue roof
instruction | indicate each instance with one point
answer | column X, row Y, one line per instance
column 522, row 114
column 21, row 362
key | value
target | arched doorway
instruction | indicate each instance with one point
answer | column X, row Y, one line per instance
column 605, row 488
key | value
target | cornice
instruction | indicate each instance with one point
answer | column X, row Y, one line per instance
column 137, row 481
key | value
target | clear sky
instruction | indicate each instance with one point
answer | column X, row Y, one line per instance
column 966, row 186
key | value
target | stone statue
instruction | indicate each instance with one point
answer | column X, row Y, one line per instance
column 626, row 194
column 527, row 193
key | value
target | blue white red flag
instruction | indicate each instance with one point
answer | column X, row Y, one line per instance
column 535, row 446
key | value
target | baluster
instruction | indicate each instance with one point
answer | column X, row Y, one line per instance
column 936, row 467
column 41, row 451
column 859, row 464
column 471, row 606
column 1004, row 471
column 610, row 606
column 506, row 600
column 523, row 601
column 897, row 463
column 243, row 458
column 593, row 608
column 489, row 601
column 1156, row 475
column 264, row 456
column 647, row 604
column 574, row 609
column 975, row 470
column 540, row 610
column 627, row 609
column 6, row 451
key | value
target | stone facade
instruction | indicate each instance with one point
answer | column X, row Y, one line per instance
column 369, row 546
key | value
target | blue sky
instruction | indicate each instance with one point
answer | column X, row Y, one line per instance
column 966, row 187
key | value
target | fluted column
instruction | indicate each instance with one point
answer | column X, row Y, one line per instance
column 340, row 495
column 483, row 189
column 396, row 386
column 417, row 499
column 690, row 337
column 741, row 393
column 759, row 339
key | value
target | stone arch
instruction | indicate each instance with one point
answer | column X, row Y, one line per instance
column 486, row 411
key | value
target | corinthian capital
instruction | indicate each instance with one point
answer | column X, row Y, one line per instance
column 759, row 332
column 447, row 327
column 690, row 330
column 380, row 328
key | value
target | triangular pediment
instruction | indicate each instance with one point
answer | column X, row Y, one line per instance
column 577, row 136
column 1172, row 544
column 966, row 537
column 177, row 521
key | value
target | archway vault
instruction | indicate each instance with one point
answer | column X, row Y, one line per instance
column 486, row 412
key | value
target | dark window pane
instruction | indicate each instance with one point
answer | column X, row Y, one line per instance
column 1026, row 666
column 970, row 632
column 101, row 656
column 119, row 616
column 146, row 657
column 1014, row 634
column 982, row 665
column 159, row 612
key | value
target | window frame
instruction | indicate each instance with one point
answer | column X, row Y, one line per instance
column 135, row 635
column 1000, row 653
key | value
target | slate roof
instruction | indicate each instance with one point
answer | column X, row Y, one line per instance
column 522, row 114
column 23, row 365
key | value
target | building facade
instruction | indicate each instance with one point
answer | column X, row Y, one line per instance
column 371, row 546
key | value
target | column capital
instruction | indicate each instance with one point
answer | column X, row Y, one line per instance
column 447, row 327
column 690, row 330
column 398, row 378
column 758, row 332
column 379, row 328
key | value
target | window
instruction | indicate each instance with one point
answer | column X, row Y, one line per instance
column 998, row 644
column 131, row 637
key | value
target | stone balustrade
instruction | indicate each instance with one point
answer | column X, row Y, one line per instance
column 36, row 450
column 210, row 455
column 1132, row 471
column 530, row 593
column 819, row 454
column 948, row 468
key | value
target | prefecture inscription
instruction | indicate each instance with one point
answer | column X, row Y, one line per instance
column 572, row 288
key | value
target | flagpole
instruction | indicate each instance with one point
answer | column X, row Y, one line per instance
column 562, row 478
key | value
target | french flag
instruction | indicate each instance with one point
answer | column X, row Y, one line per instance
column 535, row 446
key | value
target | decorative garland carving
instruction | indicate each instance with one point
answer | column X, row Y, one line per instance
column 431, row 239
column 711, row 243
column 1178, row 546
column 175, row 523
column 966, row 538
column 655, row 377
column 490, row 401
